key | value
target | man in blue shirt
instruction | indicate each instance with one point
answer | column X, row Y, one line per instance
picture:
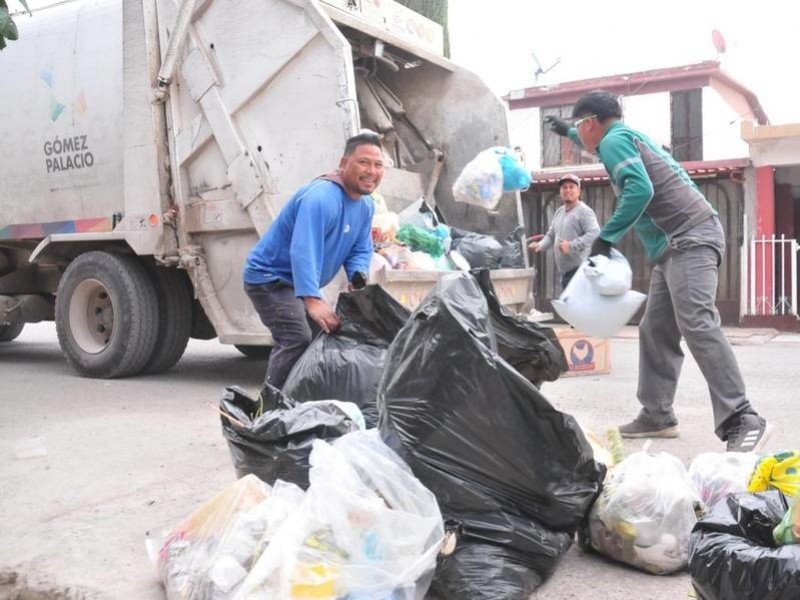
column 325, row 225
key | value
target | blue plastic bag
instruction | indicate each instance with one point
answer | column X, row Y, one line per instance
column 515, row 176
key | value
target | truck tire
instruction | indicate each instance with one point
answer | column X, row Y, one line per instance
column 175, row 318
column 260, row 352
column 106, row 315
column 11, row 331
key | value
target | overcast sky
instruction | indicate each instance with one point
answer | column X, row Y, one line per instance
column 495, row 39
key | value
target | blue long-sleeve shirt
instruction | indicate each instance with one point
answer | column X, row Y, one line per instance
column 320, row 230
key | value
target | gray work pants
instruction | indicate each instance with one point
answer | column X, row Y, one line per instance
column 681, row 302
column 285, row 316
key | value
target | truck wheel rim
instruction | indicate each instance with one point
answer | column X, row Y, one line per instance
column 91, row 316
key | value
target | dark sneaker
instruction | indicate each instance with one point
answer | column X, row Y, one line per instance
column 749, row 434
column 642, row 429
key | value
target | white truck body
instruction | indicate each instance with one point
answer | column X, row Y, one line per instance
column 172, row 133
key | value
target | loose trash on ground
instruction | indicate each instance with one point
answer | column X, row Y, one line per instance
column 645, row 513
column 717, row 474
column 733, row 554
column 607, row 450
column 583, row 306
column 779, row 471
column 788, row 530
column 517, row 475
column 278, row 435
column 348, row 364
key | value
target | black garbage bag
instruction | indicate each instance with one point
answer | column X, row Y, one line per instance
column 347, row 364
column 511, row 256
column 480, row 251
column 464, row 574
column 276, row 440
column 514, row 472
column 489, row 251
column 732, row 555
column 532, row 349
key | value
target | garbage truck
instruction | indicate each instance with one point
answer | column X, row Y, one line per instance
column 147, row 144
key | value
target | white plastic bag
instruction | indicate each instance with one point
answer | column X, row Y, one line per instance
column 481, row 181
column 610, row 276
column 367, row 529
column 645, row 513
column 210, row 553
column 717, row 474
column 590, row 312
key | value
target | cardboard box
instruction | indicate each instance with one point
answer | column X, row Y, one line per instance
column 586, row 355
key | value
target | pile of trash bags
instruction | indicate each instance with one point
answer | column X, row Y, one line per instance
column 366, row 528
column 514, row 475
column 348, row 364
column 272, row 436
column 718, row 518
column 598, row 300
column 418, row 239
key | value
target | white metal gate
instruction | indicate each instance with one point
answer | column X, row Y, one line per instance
column 769, row 276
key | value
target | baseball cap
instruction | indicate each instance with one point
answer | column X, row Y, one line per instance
column 570, row 177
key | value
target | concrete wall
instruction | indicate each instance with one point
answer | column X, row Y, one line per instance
column 721, row 128
column 525, row 131
column 776, row 152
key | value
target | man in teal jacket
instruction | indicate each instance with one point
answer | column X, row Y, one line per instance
column 682, row 235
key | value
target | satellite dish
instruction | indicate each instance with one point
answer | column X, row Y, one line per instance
column 719, row 41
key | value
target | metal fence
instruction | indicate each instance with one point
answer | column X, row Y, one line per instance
column 769, row 286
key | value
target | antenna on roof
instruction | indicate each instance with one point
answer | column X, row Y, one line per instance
column 539, row 70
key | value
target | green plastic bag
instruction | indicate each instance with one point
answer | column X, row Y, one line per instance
column 788, row 530
column 418, row 238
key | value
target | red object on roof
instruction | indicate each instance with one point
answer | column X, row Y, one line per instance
column 672, row 79
column 597, row 174
column 719, row 41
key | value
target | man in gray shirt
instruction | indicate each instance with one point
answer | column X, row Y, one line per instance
column 572, row 231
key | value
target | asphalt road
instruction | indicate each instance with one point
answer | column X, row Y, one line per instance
column 128, row 458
